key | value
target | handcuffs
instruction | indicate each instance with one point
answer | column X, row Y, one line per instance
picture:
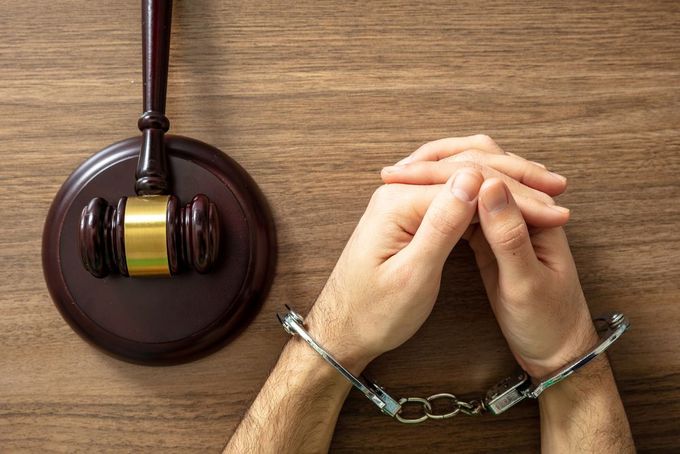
column 505, row 394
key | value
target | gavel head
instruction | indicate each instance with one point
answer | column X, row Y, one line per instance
column 148, row 236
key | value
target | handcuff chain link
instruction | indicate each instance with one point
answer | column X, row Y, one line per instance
column 471, row 408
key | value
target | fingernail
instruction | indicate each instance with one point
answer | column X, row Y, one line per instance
column 406, row 160
column 392, row 169
column 559, row 208
column 539, row 164
column 465, row 186
column 559, row 177
column 495, row 197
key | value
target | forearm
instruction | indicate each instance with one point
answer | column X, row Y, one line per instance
column 296, row 409
column 584, row 413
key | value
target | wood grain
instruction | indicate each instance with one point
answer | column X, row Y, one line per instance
column 313, row 98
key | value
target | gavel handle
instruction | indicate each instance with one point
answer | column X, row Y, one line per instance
column 152, row 174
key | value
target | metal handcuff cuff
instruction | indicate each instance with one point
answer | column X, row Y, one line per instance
column 499, row 398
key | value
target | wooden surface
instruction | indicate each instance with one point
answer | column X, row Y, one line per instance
column 313, row 98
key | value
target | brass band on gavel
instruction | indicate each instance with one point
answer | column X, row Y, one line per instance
column 145, row 231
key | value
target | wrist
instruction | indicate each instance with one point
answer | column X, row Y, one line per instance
column 588, row 397
column 585, row 410
column 579, row 340
column 337, row 339
column 306, row 368
column 591, row 378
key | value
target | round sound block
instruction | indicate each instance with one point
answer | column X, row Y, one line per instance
column 163, row 320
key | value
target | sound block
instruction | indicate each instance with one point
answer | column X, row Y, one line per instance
column 165, row 320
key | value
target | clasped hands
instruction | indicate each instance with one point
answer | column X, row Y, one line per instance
column 387, row 279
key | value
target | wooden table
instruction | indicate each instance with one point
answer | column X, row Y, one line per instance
column 313, row 98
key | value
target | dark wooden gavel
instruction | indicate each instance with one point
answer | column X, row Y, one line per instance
column 150, row 234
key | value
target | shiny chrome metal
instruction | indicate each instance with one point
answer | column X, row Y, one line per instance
column 505, row 394
column 516, row 388
column 293, row 323
column 472, row 408
column 426, row 408
column 442, row 396
column 612, row 326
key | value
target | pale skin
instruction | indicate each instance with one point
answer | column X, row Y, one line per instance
column 387, row 279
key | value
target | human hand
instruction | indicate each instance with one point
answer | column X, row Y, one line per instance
column 529, row 275
column 387, row 279
column 532, row 283
column 530, row 183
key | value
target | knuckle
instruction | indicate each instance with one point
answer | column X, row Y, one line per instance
column 513, row 237
column 444, row 222
column 486, row 141
column 528, row 171
column 427, row 145
column 384, row 194
column 531, row 172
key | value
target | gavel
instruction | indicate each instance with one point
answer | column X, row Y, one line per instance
column 166, row 226
column 150, row 234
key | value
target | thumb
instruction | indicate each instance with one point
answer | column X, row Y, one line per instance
column 446, row 219
column 506, row 232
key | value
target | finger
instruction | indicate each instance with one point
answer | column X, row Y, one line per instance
column 540, row 214
column 506, row 232
column 445, row 220
column 404, row 204
column 538, row 209
column 537, row 163
column 526, row 172
column 486, row 261
column 421, row 172
column 391, row 219
column 443, row 148
column 552, row 248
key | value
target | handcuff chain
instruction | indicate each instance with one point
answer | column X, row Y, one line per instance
column 471, row 408
column 503, row 395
